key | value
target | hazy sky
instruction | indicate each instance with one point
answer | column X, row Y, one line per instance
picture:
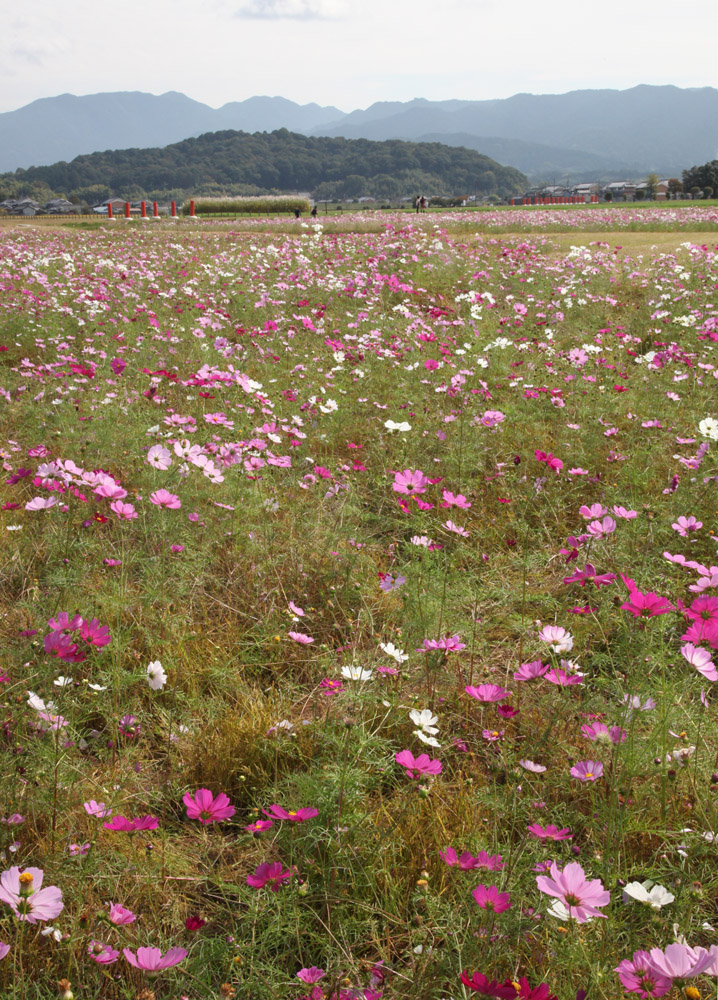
column 350, row 53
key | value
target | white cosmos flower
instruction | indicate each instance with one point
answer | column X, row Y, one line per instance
column 96, row 687
column 655, row 896
column 391, row 650
column 709, row 428
column 356, row 673
column 34, row 701
column 62, row 682
column 432, row 742
column 156, row 677
column 558, row 910
column 424, row 719
column 403, row 427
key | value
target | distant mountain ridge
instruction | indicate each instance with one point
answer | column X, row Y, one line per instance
column 601, row 134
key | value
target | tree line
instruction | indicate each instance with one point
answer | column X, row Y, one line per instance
column 238, row 163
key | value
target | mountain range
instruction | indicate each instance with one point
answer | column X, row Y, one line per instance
column 587, row 134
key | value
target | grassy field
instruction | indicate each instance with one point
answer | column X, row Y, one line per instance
column 398, row 538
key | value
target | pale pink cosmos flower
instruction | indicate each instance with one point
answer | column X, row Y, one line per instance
column 98, row 809
column 627, row 515
column 562, row 679
column 295, row 609
column 599, row 732
column 110, row 491
column 162, row 498
column 492, row 418
column 529, row 765
column 561, row 641
column 159, row 457
column 700, row 659
column 103, row 954
column 40, row 503
column 457, row 529
column 206, row 807
column 410, row 482
column 301, row 638
column 4, row 949
column 449, row 643
column 152, row 959
column 22, row 890
column 679, row 961
column 580, row 896
column 587, row 770
column 684, row 525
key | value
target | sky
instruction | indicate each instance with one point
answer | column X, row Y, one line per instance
column 350, row 54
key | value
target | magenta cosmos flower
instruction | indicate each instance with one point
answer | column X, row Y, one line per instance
column 530, row 671
column 487, row 692
column 449, row 643
column 549, row 832
column 102, row 953
column 206, row 808
column 163, row 498
column 489, row 898
column 152, row 959
column 132, row 825
column 467, row 862
column 410, row 482
column 587, row 770
column 292, row 815
column 417, row 767
column 479, row 983
column 311, row 975
column 580, row 896
column 120, row 916
column 22, row 890
column 638, row 976
column 268, row 874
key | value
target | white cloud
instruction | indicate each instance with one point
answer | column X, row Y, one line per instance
column 296, row 10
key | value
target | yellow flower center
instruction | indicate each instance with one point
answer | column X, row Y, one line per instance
column 26, row 878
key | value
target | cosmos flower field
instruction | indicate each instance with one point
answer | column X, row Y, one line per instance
column 359, row 609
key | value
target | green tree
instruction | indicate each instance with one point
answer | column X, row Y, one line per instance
column 652, row 182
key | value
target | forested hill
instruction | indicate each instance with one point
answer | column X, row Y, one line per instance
column 241, row 163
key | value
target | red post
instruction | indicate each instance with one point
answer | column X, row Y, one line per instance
column 155, row 211
column 173, row 208
column 127, row 209
column 191, row 210
column 143, row 209
column 109, row 210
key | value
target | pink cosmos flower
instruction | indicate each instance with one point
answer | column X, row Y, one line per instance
column 295, row 609
column 101, row 953
column 457, row 529
column 268, row 874
column 530, row 671
column 701, row 660
column 532, row 766
column 162, row 498
column 125, row 511
column 303, row 640
column 491, row 418
column 416, row 767
column 492, row 735
column 120, row 916
column 4, row 949
column 587, row 770
column 549, row 832
column 599, row 529
column 449, row 643
column 455, row 500
column 409, row 482
column 63, row 622
column 39, row 503
column 292, row 815
column 580, row 896
column 592, row 512
column 491, row 899
column 152, row 959
column 637, row 976
column 647, row 605
column 487, row 692
column 589, row 575
column 60, row 645
column 467, row 862
column 132, row 825
column 206, row 808
column 311, row 975
column 562, row 679
column 684, row 525
column 259, row 826
column 110, row 491
column 94, row 633
column 21, row 889
column 627, row 515
column 330, row 686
